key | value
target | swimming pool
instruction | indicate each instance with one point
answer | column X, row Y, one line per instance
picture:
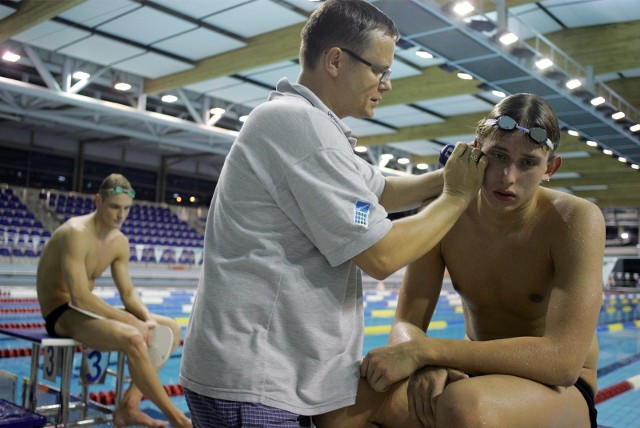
column 618, row 333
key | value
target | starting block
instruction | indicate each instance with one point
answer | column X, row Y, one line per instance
column 40, row 339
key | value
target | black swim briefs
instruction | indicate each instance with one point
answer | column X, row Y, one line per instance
column 589, row 397
column 51, row 319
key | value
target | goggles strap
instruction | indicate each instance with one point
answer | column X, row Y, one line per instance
column 120, row 190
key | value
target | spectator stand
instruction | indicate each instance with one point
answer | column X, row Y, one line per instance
column 158, row 235
column 22, row 235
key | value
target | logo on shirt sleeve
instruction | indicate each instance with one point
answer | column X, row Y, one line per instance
column 362, row 213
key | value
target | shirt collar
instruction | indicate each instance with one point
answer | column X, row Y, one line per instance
column 284, row 87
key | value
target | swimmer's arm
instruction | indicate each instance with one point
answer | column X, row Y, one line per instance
column 553, row 359
column 418, row 297
column 73, row 252
column 407, row 192
column 122, row 279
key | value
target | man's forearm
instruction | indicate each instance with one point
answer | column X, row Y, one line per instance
column 402, row 193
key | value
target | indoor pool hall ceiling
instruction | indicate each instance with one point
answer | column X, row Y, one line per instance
column 228, row 54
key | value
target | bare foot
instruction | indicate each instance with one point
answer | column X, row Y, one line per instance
column 123, row 417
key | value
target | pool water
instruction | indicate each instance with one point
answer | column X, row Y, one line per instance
column 618, row 334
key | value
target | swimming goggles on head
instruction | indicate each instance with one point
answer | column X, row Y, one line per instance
column 118, row 190
column 507, row 123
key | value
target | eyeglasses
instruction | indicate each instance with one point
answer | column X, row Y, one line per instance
column 385, row 73
column 118, row 190
column 507, row 123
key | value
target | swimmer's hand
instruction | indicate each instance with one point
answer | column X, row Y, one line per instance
column 145, row 327
column 151, row 324
column 382, row 367
column 424, row 389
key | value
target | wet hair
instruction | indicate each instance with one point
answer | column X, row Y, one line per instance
column 112, row 181
column 529, row 111
column 342, row 23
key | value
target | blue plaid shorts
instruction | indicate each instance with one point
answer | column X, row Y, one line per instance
column 209, row 412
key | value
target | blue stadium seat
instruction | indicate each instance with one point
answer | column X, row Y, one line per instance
column 168, row 256
column 17, row 252
column 30, row 253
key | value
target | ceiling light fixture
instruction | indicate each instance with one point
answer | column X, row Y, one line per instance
column 622, row 159
column 635, row 166
column 508, row 38
column 607, row 152
column 81, row 75
column 403, row 161
column 424, row 54
column 465, row 76
column 597, row 101
column 544, row 63
column 384, row 159
column 573, row 133
column 122, row 86
column 360, row 149
column 573, row 83
column 169, row 98
column 422, row 166
column 243, row 119
column 498, row 94
column 591, row 143
column 635, row 128
column 463, row 8
column 10, row 56
column 617, row 115
column 216, row 115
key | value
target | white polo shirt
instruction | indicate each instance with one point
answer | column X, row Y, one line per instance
column 278, row 316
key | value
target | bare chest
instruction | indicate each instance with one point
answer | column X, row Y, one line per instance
column 98, row 259
column 506, row 275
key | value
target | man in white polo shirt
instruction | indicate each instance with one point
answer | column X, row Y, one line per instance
column 276, row 330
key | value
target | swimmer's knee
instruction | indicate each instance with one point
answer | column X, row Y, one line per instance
column 132, row 342
column 463, row 405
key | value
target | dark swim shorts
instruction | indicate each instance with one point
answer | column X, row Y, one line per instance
column 51, row 319
column 589, row 397
column 213, row 412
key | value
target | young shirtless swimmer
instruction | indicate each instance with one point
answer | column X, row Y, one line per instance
column 527, row 263
column 79, row 251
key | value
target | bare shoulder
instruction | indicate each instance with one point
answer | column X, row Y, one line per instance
column 74, row 230
column 569, row 204
column 575, row 213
